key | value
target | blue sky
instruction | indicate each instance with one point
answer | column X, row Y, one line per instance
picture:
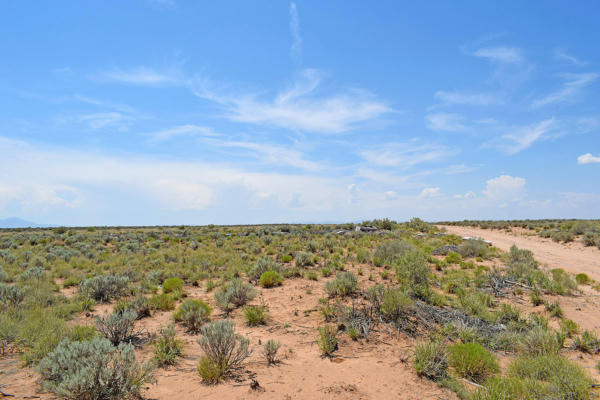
column 186, row 112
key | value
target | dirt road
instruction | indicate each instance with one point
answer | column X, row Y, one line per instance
column 572, row 257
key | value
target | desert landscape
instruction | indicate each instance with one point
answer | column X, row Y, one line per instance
column 378, row 310
column 299, row 200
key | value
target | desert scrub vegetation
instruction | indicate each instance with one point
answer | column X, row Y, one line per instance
column 167, row 347
column 472, row 361
column 95, row 369
column 327, row 340
column 270, row 279
column 344, row 284
column 431, row 360
column 104, row 287
column 270, row 350
column 417, row 285
column 224, row 351
column 193, row 314
column 119, row 327
column 235, row 294
column 256, row 315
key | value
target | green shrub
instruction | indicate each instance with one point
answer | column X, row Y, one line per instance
column 431, row 360
column 263, row 265
column 167, row 347
column 588, row 342
column 473, row 248
column 224, row 350
column 394, row 303
column 92, row 370
column 286, row 258
column 453, row 258
column 210, row 371
column 120, row 328
column 233, row 295
column 10, row 295
column 512, row 389
column 255, row 315
column 472, row 361
column 344, row 284
column 162, row 302
column 583, row 279
column 554, row 309
column 569, row 327
column 536, row 297
column 270, row 279
column 563, row 379
column 172, row 285
column 327, row 340
column 303, row 259
column 590, row 239
column 193, row 314
column 508, row 314
column 141, row 305
column 387, row 253
column 104, row 287
column 80, row 333
column 539, row 341
column 413, row 272
column 270, row 350
column 3, row 275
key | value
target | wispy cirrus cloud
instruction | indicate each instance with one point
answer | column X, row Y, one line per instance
column 141, row 76
column 445, row 122
column 523, row 137
column 500, row 54
column 406, row 155
column 182, row 130
column 296, row 48
column 465, row 98
column 275, row 155
column 301, row 107
column 572, row 87
column 588, row 158
column 560, row 54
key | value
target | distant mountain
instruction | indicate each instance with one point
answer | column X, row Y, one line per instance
column 20, row 223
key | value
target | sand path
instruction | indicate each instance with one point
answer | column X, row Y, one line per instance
column 572, row 257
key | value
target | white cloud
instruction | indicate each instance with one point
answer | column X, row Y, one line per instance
column 572, row 87
column 476, row 99
column 58, row 177
column 430, row 192
column 505, row 188
column 445, row 122
column 503, row 55
column 588, row 158
column 101, row 120
column 524, row 137
column 467, row 196
column 301, row 108
column 276, row 155
column 141, row 76
column 406, row 155
column 182, row 130
column 561, row 55
column 296, row 49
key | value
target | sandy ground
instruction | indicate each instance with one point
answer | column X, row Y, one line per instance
column 377, row 368
column 572, row 257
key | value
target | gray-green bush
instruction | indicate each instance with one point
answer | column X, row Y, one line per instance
column 93, row 370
